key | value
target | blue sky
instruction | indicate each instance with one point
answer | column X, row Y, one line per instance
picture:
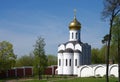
column 22, row 21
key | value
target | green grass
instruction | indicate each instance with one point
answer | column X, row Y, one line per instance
column 88, row 80
column 68, row 79
column 74, row 80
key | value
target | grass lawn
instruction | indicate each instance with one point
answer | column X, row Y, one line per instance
column 88, row 80
column 72, row 79
column 76, row 80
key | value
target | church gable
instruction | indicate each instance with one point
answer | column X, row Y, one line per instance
column 70, row 45
column 78, row 47
column 61, row 47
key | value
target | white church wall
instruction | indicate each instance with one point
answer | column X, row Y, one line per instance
column 113, row 70
column 61, row 47
column 78, row 47
column 60, row 61
column 85, row 71
column 70, row 45
column 75, row 67
column 99, row 70
column 67, row 69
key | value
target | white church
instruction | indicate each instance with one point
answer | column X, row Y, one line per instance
column 74, row 52
column 74, row 56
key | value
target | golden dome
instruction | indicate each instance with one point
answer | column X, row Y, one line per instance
column 75, row 24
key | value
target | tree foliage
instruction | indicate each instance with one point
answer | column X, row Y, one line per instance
column 116, row 39
column 111, row 9
column 40, row 59
column 95, row 56
column 116, row 30
column 7, row 56
column 26, row 60
column 52, row 60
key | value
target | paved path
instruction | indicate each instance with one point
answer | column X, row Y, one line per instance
column 15, row 80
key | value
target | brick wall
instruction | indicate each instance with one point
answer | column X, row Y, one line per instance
column 26, row 71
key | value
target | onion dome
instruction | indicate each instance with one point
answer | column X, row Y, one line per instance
column 75, row 24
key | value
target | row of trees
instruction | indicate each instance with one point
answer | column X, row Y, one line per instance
column 38, row 59
column 99, row 55
column 28, row 60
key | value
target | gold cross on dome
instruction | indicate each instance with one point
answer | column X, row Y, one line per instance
column 75, row 13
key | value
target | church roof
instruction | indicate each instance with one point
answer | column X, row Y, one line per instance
column 61, row 51
column 69, row 50
column 73, row 42
column 77, row 51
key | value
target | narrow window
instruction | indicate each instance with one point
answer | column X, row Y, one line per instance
column 79, row 36
column 70, row 62
column 66, row 62
column 72, row 35
column 76, row 35
column 75, row 62
column 59, row 62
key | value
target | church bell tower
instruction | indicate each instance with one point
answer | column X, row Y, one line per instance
column 74, row 29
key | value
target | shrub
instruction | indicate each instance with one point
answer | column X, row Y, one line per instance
column 112, row 75
column 98, row 75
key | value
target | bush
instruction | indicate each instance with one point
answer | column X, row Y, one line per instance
column 112, row 75
column 98, row 75
column 104, row 76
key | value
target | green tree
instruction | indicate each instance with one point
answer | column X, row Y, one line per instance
column 116, row 38
column 111, row 9
column 113, row 53
column 26, row 60
column 95, row 56
column 52, row 60
column 102, row 53
column 40, row 60
column 104, row 48
column 7, row 56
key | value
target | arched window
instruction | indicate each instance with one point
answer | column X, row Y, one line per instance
column 66, row 62
column 70, row 62
column 75, row 62
column 59, row 62
column 72, row 35
column 76, row 35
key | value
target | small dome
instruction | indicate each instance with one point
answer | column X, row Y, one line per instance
column 75, row 25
